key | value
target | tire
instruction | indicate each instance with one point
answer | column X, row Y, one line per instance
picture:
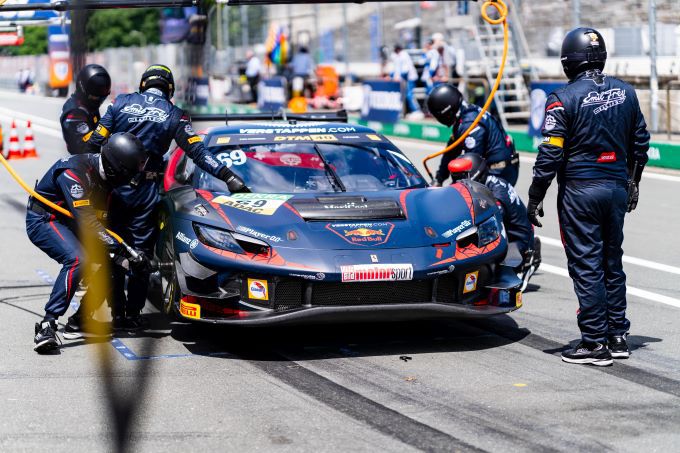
column 170, row 289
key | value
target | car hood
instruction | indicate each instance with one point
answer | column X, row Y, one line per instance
column 382, row 220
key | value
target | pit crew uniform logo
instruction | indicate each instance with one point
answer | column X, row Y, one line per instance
column 77, row 191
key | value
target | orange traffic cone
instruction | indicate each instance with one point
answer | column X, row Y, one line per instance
column 14, row 151
column 29, row 145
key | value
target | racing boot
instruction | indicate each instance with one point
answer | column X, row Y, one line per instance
column 618, row 347
column 129, row 323
column 76, row 327
column 45, row 339
column 588, row 354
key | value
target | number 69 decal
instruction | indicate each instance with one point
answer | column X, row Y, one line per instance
column 236, row 157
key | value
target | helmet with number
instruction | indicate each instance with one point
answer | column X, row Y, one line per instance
column 469, row 166
column 582, row 49
column 93, row 85
column 158, row 76
column 123, row 158
column 444, row 103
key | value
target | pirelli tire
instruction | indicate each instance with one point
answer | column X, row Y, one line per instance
column 170, row 289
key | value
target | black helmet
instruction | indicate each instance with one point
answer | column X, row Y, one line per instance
column 123, row 158
column 470, row 165
column 93, row 85
column 444, row 103
column 158, row 76
column 583, row 48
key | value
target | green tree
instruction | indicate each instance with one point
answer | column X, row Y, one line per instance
column 122, row 28
column 35, row 43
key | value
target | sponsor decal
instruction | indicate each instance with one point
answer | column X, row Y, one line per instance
column 376, row 272
column 105, row 238
column 77, row 191
column 188, row 310
column 189, row 129
column 459, row 229
column 402, row 129
column 211, row 161
column 301, row 130
column 222, row 140
column 374, row 258
column 550, row 123
column 368, row 234
column 255, row 203
column 606, row 157
column 193, row 244
column 257, row 234
column 103, row 131
column 258, row 289
column 140, row 114
column 306, row 138
column 181, row 237
column 518, row 299
column 292, row 160
column 604, row 100
column 317, row 276
column 87, row 136
column 448, row 270
column 348, row 205
column 470, row 142
column 201, row 210
column 594, row 40
column 470, row 282
column 373, row 137
column 77, row 204
column 195, row 139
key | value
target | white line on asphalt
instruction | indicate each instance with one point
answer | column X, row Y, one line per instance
column 626, row 259
column 630, row 290
column 41, row 125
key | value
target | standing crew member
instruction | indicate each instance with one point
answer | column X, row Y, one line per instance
column 80, row 114
column 488, row 138
column 80, row 184
column 150, row 116
column 595, row 142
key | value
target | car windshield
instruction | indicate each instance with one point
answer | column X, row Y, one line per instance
column 314, row 167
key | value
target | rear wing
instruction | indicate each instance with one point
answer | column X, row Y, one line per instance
column 339, row 116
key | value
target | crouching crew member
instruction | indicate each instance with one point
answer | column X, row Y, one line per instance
column 80, row 114
column 80, row 184
column 488, row 138
column 595, row 142
column 150, row 115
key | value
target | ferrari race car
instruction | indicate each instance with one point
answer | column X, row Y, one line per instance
column 339, row 225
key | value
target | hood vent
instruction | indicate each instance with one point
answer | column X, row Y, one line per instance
column 348, row 208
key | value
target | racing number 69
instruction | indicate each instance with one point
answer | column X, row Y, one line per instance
column 236, row 157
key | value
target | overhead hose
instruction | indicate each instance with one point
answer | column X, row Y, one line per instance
column 502, row 9
column 44, row 200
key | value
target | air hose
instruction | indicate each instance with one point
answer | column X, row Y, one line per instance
column 47, row 202
column 502, row 9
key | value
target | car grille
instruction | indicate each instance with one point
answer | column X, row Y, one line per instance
column 329, row 294
column 447, row 289
column 288, row 295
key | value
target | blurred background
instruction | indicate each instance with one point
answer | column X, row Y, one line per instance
column 342, row 55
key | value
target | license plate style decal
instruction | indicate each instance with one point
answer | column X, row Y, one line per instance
column 377, row 272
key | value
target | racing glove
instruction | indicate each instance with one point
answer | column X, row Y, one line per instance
column 535, row 206
column 633, row 195
column 234, row 182
column 140, row 264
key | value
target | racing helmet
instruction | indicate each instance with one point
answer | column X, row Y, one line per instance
column 583, row 48
column 471, row 166
column 444, row 103
column 93, row 85
column 158, row 76
column 123, row 158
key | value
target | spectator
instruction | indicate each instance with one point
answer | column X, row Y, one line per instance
column 303, row 68
column 405, row 71
column 253, row 68
column 432, row 66
column 448, row 55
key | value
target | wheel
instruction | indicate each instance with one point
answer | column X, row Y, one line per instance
column 170, row 289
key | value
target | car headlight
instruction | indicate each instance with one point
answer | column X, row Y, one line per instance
column 488, row 231
column 214, row 237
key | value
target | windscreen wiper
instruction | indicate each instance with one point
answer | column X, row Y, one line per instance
column 333, row 177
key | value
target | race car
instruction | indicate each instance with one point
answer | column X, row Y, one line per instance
column 339, row 226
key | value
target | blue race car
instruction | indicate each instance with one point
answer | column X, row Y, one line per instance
column 339, row 226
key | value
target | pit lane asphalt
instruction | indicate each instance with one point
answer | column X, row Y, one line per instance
column 493, row 385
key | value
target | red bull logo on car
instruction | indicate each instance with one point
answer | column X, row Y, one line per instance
column 363, row 233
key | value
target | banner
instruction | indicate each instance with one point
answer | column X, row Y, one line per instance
column 539, row 94
column 382, row 101
column 60, row 56
column 272, row 94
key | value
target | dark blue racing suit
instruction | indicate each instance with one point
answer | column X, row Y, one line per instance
column 77, row 124
column 152, row 118
column 488, row 139
column 594, row 132
column 75, row 184
column 517, row 225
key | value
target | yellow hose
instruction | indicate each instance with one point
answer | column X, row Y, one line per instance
column 502, row 9
column 44, row 200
